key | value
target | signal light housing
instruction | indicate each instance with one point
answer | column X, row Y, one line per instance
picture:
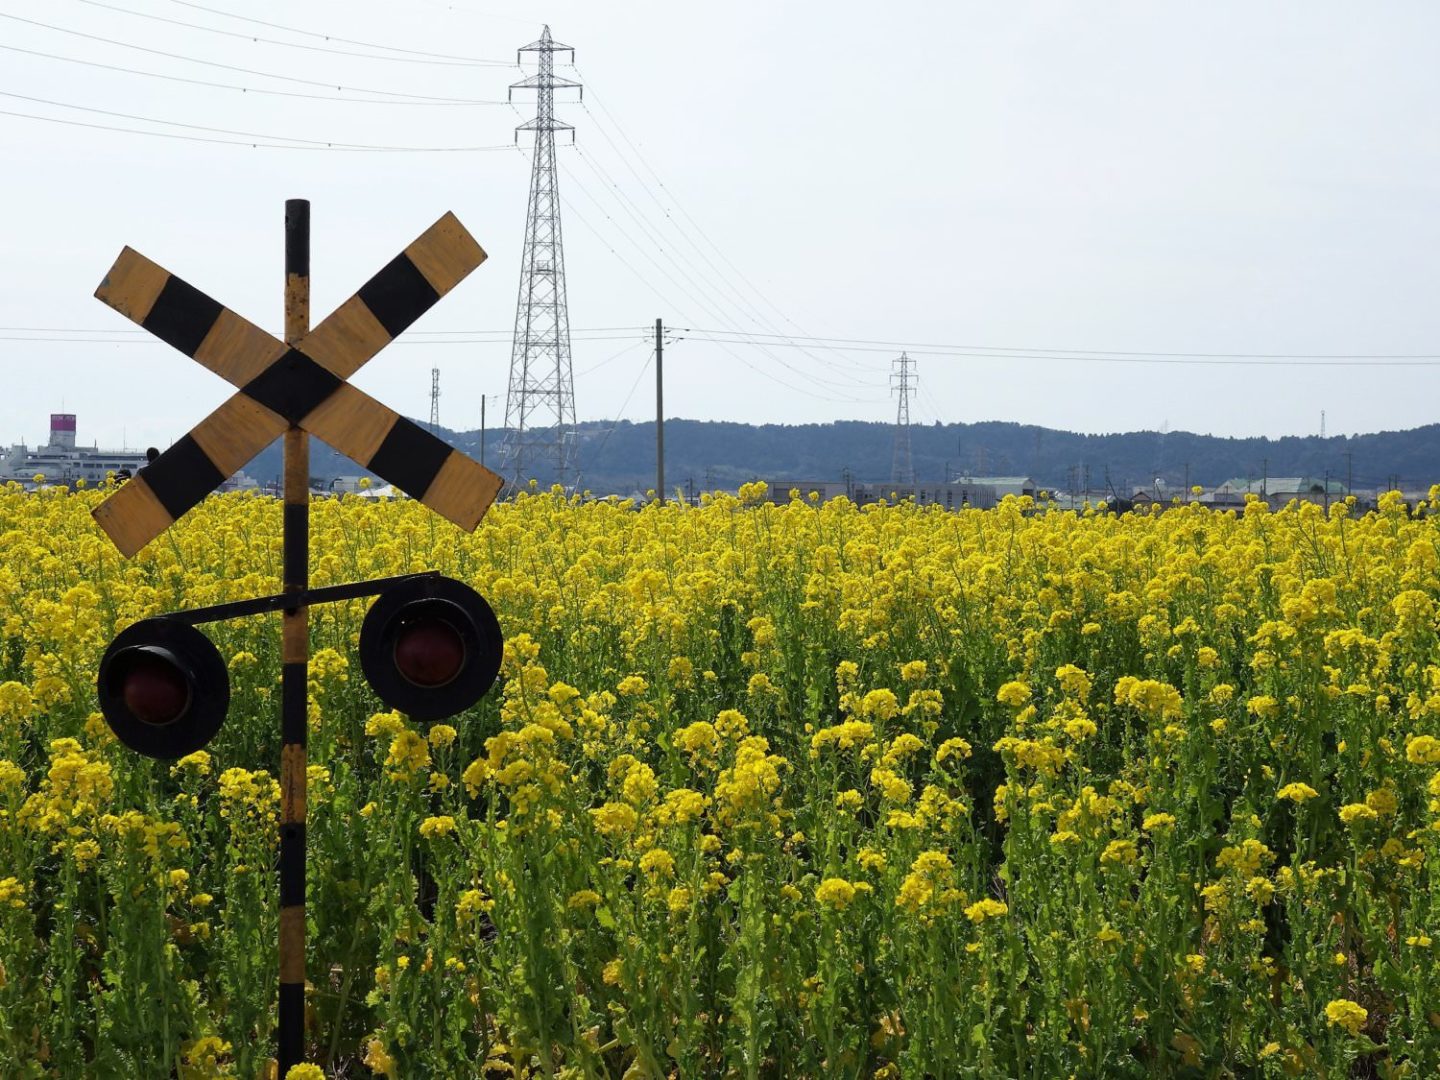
column 163, row 688
column 430, row 647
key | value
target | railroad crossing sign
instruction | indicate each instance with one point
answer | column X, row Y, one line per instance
column 430, row 646
column 304, row 385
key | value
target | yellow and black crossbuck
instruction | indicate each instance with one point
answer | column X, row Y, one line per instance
column 305, row 385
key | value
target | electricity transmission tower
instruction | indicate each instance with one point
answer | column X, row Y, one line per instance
column 435, row 401
column 902, row 468
column 540, row 403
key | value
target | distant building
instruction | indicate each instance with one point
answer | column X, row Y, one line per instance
column 1280, row 490
column 980, row 493
column 60, row 461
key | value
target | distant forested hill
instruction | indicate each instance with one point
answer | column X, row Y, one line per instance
column 621, row 457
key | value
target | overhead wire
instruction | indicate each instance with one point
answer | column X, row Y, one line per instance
column 243, row 70
column 597, row 333
column 612, row 357
column 670, row 278
column 620, row 413
column 326, row 144
column 248, row 89
column 997, row 352
column 252, row 144
column 764, row 298
column 960, row 353
column 573, row 209
column 902, row 345
column 293, row 44
column 329, row 37
column 636, row 215
column 743, row 304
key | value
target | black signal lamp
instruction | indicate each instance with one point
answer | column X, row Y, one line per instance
column 430, row 647
column 163, row 688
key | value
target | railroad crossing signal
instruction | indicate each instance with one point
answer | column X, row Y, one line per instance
column 304, row 385
column 430, row 646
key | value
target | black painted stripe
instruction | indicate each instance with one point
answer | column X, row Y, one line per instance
column 182, row 316
column 297, row 536
column 291, row 1040
column 182, row 476
column 292, row 386
column 297, row 237
column 294, row 702
column 410, row 458
column 292, row 865
column 398, row 294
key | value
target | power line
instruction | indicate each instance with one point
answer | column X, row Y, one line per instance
column 572, row 209
column 624, row 333
column 246, row 89
column 292, row 44
column 763, row 296
column 962, row 353
column 703, row 305
column 742, row 305
column 274, row 141
column 635, row 215
column 232, row 67
column 620, row 415
column 594, row 333
column 614, row 356
column 892, row 345
column 330, row 37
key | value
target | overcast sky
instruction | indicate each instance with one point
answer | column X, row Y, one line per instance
column 1217, row 178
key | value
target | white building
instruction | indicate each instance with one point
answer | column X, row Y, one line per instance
column 60, row 461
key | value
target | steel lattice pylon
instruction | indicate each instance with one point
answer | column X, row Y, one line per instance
column 434, row 401
column 902, row 466
column 540, row 405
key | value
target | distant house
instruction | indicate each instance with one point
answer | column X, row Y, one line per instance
column 1280, row 490
column 863, row 493
column 1000, row 485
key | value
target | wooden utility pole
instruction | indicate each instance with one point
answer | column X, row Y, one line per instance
column 660, row 411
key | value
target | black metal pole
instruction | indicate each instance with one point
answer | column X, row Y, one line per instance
column 295, row 654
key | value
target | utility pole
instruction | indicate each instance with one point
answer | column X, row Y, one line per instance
column 482, row 429
column 660, row 412
column 1349, row 472
column 435, row 401
column 540, row 403
column 1265, row 478
column 1187, row 481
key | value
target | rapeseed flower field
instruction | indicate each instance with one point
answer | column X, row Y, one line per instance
column 764, row 791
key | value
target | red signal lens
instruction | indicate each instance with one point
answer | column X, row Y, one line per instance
column 429, row 652
column 154, row 688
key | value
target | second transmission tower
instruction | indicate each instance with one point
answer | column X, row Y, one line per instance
column 902, row 466
column 540, row 403
column 435, row 401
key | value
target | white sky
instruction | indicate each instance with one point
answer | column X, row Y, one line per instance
column 1229, row 177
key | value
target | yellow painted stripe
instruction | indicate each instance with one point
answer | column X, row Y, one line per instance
column 445, row 253
column 132, row 517
column 132, row 285
column 463, row 490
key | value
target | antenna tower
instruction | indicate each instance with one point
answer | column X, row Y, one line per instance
column 540, row 403
column 435, row 401
column 902, row 379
